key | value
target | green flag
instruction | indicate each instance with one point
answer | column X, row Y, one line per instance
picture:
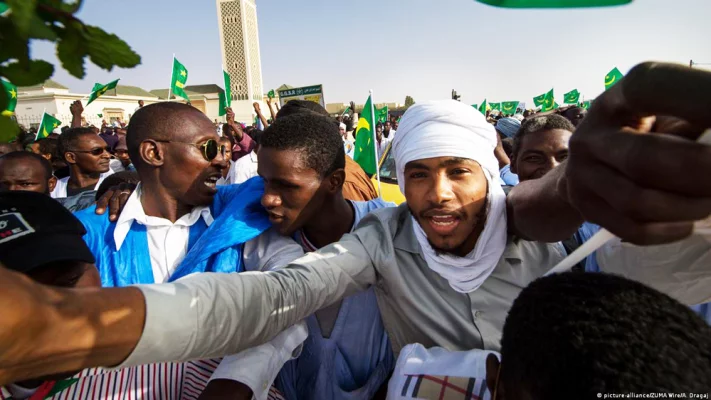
column 100, row 115
column 48, row 124
column 228, row 88
column 538, row 101
column 364, row 145
column 222, row 104
column 509, row 107
column 612, row 78
column 10, row 91
column 484, row 107
column 180, row 77
column 548, row 102
column 571, row 97
column 100, row 89
column 346, row 111
column 585, row 104
column 271, row 94
column 553, row 3
column 475, row 106
column 381, row 114
column 495, row 106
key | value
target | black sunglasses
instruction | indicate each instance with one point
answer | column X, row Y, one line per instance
column 210, row 148
column 94, row 152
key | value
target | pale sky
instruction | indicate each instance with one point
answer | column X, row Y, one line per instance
column 422, row 48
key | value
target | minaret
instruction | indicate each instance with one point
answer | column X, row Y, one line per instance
column 239, row 43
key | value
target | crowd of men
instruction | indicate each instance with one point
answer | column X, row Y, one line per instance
column 237, row 262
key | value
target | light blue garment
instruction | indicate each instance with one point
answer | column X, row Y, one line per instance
column 238, row 217
column 355, row 360
column 508, row 177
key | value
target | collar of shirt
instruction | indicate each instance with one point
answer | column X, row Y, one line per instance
column 133, row 211
column 406, row 240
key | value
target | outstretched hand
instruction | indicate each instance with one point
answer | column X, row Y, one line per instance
column 644, row 178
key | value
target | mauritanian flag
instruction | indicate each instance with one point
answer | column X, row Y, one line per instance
column 549, row 102
column 484, row 107
column 226, row 96
column 571, row 97
column 10, row 91
column 48, row 124
column 381, row 114
column 271, row 94
column 509, row 107
column 585, row 104
column 365, row 145
column 553, row 3
column 540, row 100
column 180, row 78
column 100, row 89
column 612, row 78
column 495, row 106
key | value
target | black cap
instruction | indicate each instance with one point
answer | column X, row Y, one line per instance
column 36, row 230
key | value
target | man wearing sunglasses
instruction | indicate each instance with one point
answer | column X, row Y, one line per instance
column 178, row 223
column 88, row 158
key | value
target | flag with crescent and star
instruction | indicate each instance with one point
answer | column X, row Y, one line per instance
column 11, row 93
column 48, row 124
column 364, row 145
column 180, row 78
column 100, row 89
column 612, row 78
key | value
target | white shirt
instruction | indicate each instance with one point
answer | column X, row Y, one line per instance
column 167, row 245
column 245, row 168
column 61, row 189
column 230, row 175
column 383, row 145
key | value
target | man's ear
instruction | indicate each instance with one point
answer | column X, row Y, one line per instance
column 151, row 153
column 52, row 183
column 70, row 157
column 493, row 370
column 336, row 180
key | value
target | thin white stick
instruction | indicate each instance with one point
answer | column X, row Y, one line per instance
column 172, row 73
column 375, row 144
column 603, row 236
column 44, row 111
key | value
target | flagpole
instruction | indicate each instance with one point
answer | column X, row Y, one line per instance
column 41, row 123
column 375, row 144
column 172, row 72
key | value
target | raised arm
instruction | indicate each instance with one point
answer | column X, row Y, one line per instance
column 258, row 110
column 202, row 316
column 77, row 109
column 271, row 109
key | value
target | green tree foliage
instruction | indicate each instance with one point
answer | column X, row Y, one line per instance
column 54, row 21
column 409, row 101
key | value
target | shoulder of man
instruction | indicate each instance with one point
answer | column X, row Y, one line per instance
column 95, row 225
column 388, row 218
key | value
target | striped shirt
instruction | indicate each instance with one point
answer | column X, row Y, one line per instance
column 163, row 381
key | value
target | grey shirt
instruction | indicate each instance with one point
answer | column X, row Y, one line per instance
column 211, row 315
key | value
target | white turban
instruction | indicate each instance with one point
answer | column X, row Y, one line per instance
column 449, row 128
column 342, row 125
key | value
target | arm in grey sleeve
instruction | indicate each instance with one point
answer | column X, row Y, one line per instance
column 211, row 315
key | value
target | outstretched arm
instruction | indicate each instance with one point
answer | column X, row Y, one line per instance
column 202, row 316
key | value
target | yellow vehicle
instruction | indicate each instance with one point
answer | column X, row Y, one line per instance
column 388, row 178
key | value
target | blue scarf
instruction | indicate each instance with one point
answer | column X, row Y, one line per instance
column 238, row 218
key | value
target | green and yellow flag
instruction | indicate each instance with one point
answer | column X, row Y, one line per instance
column 271, row 94
column 509, row 107
column 48, row 124
column 540, row 100
column 180, row 78
column 571, row 97
column 484, row 107
column 381, row 114
column 475, row 106
column 549, row 102
column 495, row 106
column 364, row 145
column 585, row 104
column 553, row 3
column 226, row 96
column 10, row 91
column 100, row 89
column 612, row 78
